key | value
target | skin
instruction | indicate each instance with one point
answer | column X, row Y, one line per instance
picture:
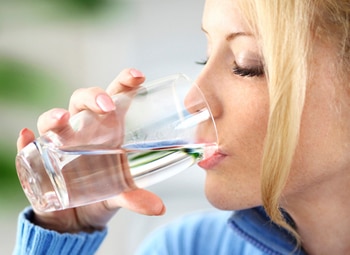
column 95, row 216
column 316, row 193
column 239, row 105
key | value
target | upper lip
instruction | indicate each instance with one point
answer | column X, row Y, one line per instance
column 219, row 152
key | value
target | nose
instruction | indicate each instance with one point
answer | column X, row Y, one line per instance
column 196, row 103
column 207, row 83
column 195, row 100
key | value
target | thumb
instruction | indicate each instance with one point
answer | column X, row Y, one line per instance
column 137, row 200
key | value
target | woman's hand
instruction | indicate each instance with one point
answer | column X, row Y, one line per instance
column 94, row 216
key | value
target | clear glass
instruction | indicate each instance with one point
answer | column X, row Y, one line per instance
column 155, row 132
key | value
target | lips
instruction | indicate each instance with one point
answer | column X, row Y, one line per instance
column 212, row 157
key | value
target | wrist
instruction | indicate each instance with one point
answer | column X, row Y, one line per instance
column 34, row 239
column 56, row 222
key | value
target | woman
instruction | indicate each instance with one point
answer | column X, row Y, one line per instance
column 276, row 79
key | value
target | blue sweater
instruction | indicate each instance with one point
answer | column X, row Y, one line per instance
column 246, row 232
column 34, row 240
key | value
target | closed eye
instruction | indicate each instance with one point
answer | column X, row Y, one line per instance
column 255, row 71
column 248, row 71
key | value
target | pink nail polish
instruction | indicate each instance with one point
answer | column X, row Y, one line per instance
column 136, row 73
column 23, row 132
column 105, row 103
column 58, row 114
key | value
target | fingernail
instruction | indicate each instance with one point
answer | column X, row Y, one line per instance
column 58, row 114
column 23, row 132
column 105, row 103
column 136, row 73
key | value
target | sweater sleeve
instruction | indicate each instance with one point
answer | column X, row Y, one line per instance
column 34, row 240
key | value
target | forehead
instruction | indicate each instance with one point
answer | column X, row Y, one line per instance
column 223, row 16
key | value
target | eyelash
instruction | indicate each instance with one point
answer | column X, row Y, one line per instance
column 241, row 71
column 248, row 72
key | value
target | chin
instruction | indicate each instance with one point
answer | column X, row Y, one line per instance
column 228, row 199
column 218, row 198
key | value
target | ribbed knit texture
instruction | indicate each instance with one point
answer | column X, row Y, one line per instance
column 34, row 240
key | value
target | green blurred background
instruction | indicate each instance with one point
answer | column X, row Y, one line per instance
column 28, row 88
column 49, row 48
column 22, row 86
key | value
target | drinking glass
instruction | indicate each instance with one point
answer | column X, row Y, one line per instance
column 157, row 130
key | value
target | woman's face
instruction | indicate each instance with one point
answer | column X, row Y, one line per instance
column 235, row 86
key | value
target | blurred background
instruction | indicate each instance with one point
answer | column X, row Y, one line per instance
column 49, row 48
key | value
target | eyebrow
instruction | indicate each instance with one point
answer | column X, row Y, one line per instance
column 232, row 35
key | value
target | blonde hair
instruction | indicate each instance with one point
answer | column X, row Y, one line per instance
column 286, row 30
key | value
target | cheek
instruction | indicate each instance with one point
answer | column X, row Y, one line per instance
column 247, row 116
column 235, row 184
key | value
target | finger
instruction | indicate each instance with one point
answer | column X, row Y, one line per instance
column 126, row 80
column 94, row 99
column 54, row 120
column 26, row 136
column 138, row 200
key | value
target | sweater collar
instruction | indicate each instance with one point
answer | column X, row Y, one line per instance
column 256, row 227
